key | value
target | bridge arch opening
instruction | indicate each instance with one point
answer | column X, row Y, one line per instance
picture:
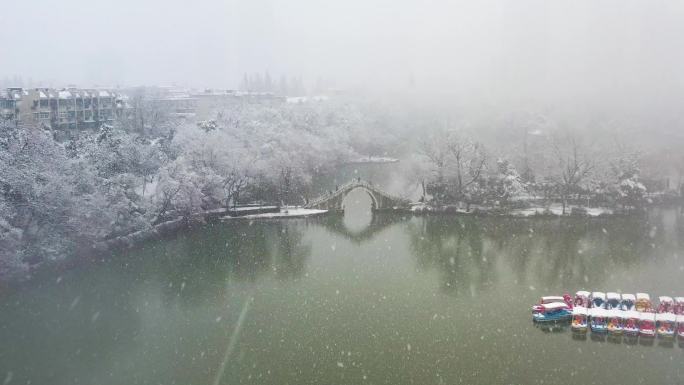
column 359, row 192
column 358, row 206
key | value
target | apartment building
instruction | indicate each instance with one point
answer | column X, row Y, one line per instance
column 62, row 109
column 10, row 100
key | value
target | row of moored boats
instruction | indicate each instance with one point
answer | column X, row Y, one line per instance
column 615, row 313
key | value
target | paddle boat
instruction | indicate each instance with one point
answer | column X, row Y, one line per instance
column 647, row 324
column 680, row 327
column 679, row 305
column 612, row 300
column 553, row 312
column 643, row 303
column 631, row 325
column 627, row 302
column 544, row 301
column 582, row 299
column 598, row 320
column 598, row 300
column 579, row 319
column 665, row 324
column 665, row 304
column 616, row 321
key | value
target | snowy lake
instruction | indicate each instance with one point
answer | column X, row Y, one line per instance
column 355, row 299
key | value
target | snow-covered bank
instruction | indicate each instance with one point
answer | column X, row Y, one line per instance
column 374, row 159
column 285, row 212
column 551, row 210
column 558, row 210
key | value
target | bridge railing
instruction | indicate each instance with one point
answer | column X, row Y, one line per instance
column 332, row 195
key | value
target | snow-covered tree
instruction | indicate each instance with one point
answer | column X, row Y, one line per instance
column 570, row 165
column 459, row 164
column 506, row 183
column 624, row 170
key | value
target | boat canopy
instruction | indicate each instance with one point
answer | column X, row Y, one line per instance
column 631, row 314
column 597, row 312
column 623, row 314
column 613, row 313
column 669, row 317
column 555, row 306
column 680, row 319
column 579, row 310
column 628, row 297
column 679, row 299
column 643, row 296
column 552, row 298
column 665, row 299
column 598, row 294
column 647, row 316
column 584, row 293
column 612, row 295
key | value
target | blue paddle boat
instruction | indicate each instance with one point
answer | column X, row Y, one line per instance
column 553, row 312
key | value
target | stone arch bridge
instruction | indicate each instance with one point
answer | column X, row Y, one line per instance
column 381, row 200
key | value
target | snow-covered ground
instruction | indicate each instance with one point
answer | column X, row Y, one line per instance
column 251, row 208
column 285, row 212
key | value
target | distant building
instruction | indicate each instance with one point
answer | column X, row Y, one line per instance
column 10, row 100
column 61, row 109
column 71, row 109
column 191, row 104
column 211, row 101
column 176, row 101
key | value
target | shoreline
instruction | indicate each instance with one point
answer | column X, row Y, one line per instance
column 174, row 226
column 551, row 211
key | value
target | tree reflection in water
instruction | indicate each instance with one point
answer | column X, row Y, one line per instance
column 540, row 252
column 291, row 253
column 455, row 247
column 207, row 258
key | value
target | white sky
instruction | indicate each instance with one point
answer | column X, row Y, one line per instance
column 602, row 49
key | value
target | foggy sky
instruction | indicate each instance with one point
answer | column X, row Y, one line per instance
column 614, row 51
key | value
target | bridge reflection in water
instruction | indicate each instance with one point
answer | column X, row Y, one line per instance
column 335, row 224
